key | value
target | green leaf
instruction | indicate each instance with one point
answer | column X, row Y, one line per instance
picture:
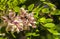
column 33, row 34
column 2, row 0
column 1, row 37
column 16, row 9
column 28, row 34
column 45, row 10
column 24, row 6
column 49, row 36
column 22, row 1
column 15, row 2
column 42, row 0
column 28, row 38
column 51, row 6
column 36, row 10
column 49, row 25
column 54, row 32
column 56, row 12
column 30, row 7
column 56, row 37
column 42, row 20
column 49, row 20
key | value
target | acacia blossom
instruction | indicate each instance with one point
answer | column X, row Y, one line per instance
column 19, row 22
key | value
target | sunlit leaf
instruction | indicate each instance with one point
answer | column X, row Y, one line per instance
column 45, row 10
column 42, row 20
column 22, row 1
column 16, row 9
column 56, row 12
column 50, row 25
column 24, row 6
column 1, row 37
column 49, row 20
column 51, row 6
column 2, row 0
column 32, row 34
column 42, row 0
column 37, row 9
column 54, row 32
column 30, row 7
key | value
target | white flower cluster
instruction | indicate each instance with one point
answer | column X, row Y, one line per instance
column 20, row 22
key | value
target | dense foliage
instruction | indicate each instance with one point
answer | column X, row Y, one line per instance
column 29, row 19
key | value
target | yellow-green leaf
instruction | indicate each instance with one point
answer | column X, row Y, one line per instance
column 30, row 7
column 16, row 9
column 45, row 10
column 49, row 25
column 54, row 32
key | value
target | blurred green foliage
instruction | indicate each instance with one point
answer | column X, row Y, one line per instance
column 45, row 13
